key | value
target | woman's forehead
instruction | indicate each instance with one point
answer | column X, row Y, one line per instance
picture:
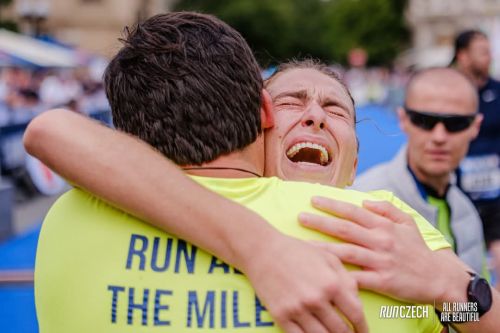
column 310, row 81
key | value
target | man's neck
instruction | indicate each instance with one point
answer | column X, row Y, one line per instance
column 245, row 163
column 438, row 183
column 478, row 80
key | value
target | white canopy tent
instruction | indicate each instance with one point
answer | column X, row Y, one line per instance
column 35, row 52
column 439, row 56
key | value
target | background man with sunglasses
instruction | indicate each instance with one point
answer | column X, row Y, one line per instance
column 440, row 119
column 479, row 174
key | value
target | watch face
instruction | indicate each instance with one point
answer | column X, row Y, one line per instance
column 482, row 293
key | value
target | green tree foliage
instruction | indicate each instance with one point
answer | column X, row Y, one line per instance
column 326, row 29
column 4, row 3
column 6, row 24
column 378, row 26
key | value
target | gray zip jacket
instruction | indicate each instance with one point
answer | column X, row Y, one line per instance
column 466, row 224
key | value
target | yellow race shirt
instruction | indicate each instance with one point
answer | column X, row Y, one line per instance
column 99, row 269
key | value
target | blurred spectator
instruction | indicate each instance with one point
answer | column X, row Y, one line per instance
column 26, row 92
column 375, row 85
column 356, row 77
column 422, row 173
column 59, row 89
column 398, row 79
column 480, row 171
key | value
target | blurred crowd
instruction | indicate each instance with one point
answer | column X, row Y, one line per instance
column 442, row 112
column 24, row 93
column 371, row 85
column 376, row 85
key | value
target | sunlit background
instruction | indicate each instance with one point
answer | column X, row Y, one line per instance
column 53, row 53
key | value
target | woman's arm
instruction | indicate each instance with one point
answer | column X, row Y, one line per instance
column 386, row 243
column 129, row 174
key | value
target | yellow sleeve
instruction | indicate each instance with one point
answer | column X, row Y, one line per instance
column 433, row 325
column 432, row 237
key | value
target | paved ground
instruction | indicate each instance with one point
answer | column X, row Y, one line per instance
column 30, row 213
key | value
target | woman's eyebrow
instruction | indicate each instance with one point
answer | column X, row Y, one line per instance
column 299, row 94
column 335, row 101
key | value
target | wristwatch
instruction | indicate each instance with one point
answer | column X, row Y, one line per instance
column 479, row 291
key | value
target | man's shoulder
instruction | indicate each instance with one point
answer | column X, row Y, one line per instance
column 75, row 195
column 495, row 83
column 78, row 198
column 76, row 204
column 431, row 236
column 308, row 190
column 375, row 178
column 485, row 92
column 80, row 216
column 262, row 189
column 376, row 170
column 461, row 201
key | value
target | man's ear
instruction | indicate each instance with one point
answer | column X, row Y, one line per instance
column 462, row 58
column 476, row 125
column 266, row 110
column 403, row 119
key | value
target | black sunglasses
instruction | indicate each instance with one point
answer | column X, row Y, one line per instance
column 427, row 120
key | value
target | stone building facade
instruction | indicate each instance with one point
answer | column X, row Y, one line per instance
column 93, row 25
column 435, row 23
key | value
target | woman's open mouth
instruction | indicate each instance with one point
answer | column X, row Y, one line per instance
column 309, row 152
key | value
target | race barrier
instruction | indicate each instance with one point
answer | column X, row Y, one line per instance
column 16, row 163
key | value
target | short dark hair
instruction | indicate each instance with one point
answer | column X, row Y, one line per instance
column 464, row 39
column 188, row 84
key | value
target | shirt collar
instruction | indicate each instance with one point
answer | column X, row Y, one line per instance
column 427, row 190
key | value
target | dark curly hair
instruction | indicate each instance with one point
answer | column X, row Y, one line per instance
column 188, row 84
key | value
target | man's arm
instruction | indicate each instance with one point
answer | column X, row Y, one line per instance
column 386, row 243
column 299, row 292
